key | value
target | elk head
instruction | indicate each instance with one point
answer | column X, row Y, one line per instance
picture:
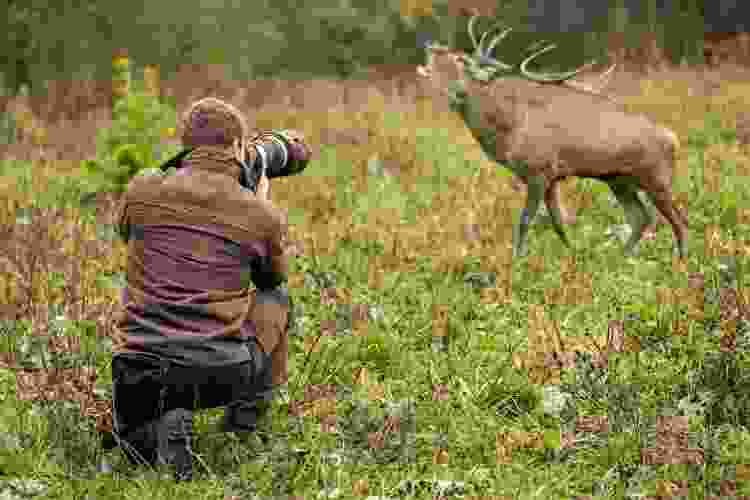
column 446, row 67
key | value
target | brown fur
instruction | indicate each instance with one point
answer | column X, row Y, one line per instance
column 560, row 131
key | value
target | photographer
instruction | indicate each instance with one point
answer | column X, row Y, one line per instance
column 195, row 335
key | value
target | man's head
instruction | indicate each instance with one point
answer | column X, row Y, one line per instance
column 212, row 122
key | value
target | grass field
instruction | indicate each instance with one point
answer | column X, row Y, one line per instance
column 422, row 353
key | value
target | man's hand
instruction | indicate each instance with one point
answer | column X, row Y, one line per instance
column 263, row 186
column 291, row 135
column 295, row 143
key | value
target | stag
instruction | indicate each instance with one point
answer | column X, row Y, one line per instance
column 548, row 127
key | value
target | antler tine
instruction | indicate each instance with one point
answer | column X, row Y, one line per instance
column 535, row 45
column 549, row 77
column 496, row 40
column 482, row 54
column 480, row 48
column 471, row 31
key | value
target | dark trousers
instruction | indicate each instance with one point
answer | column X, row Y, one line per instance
column 145, row 387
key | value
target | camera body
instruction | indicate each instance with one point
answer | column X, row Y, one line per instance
column 264, row 153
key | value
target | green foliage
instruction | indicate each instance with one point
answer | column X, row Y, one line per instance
column 35, row 53
column 349, row 37
column 713, row 132
column 132, row 143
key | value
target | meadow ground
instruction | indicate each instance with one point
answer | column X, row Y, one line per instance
column 421, row 352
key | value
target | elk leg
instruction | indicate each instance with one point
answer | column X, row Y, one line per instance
column 663, row 201
column 565, row 216
column 534, row 194
column 518, row 184
column 638, row 216
column 554, row 209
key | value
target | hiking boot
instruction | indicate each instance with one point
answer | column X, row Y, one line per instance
column 175, row 431
column 139, row 444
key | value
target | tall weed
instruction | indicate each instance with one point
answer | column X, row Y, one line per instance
column 134, row 141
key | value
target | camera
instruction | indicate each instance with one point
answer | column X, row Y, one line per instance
column 264, row 153
column 272, row 157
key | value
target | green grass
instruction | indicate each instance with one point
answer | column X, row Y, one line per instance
column 488, row 395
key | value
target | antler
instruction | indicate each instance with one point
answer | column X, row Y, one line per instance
column 471, row 30
column 550, row 77
column 482, row 54
column 485, row 56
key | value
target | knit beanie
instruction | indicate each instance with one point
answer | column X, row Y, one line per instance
column 212, row 122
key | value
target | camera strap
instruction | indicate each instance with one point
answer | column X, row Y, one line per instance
column 246, row 177
column 175, row 161
column 240, row 154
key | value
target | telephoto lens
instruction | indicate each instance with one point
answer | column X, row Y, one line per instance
column 279, row 154
column 286, row 150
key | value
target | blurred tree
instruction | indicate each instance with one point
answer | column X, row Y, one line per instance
column 48, row 40
column 293, row 39
column 19, row 45
column 342, row 37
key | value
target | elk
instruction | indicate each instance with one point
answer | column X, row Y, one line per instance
column 547, row 127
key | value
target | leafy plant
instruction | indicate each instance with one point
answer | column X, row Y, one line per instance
column 133, row 142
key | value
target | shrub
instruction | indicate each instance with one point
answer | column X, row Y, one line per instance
column 134, row 141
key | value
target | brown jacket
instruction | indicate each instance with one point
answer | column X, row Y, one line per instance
column 192, row 237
